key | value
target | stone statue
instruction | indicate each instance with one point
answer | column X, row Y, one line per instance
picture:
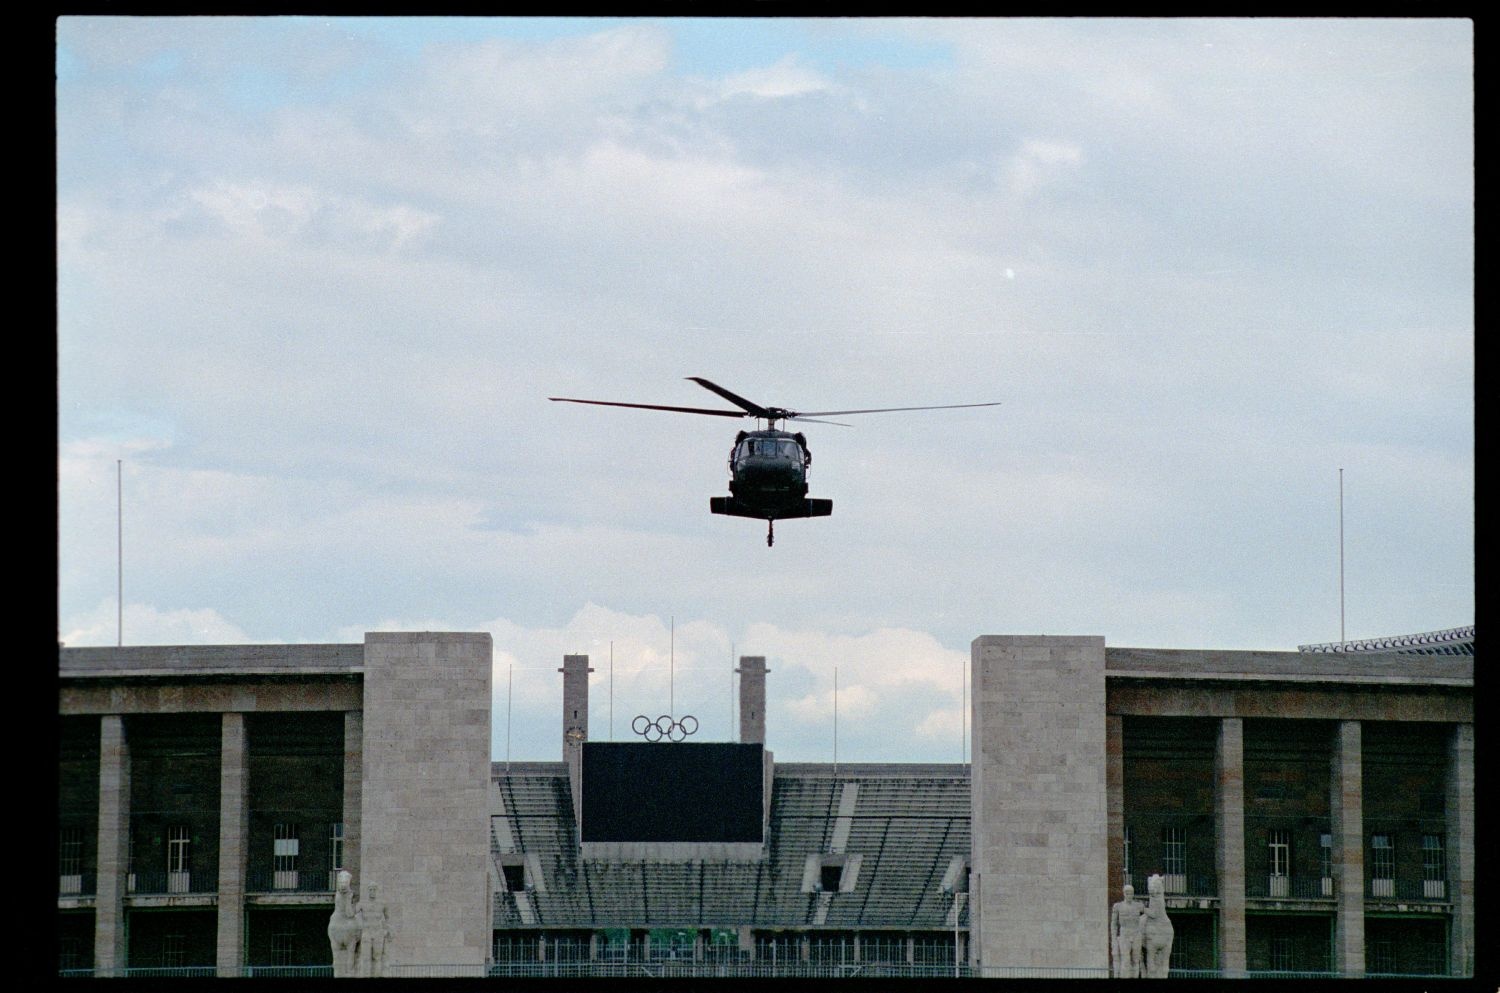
column 375, row 931
column 1125, row 934
column 344, row 928
column 1157, row 931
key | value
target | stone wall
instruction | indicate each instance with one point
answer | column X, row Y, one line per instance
column 1039, row 812
column 424, row 823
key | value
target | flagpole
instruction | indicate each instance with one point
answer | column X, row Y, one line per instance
column 1341, row 560
column 119, row 557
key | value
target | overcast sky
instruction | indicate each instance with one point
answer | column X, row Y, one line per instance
column 317, row 278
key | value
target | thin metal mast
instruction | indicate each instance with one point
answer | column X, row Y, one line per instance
column 1341, row 559
column 119, row 557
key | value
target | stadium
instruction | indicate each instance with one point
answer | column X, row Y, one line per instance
column 1311, row 813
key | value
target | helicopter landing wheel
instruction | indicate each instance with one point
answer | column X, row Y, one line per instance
column 770, row 533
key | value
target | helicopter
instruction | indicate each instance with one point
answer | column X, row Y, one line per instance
column 767, row 467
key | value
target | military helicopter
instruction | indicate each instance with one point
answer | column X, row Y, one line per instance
column 767, row 467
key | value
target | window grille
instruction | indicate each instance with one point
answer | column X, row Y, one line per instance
column 1325, row 862
column 284, row 856
column 1435, row 957
column 1282, row 959
column 1433, row 871
column 1382, row 866
column 1174, row 859
column 335, row 853
column 1279, row 853
column 283, row 945
column 179, row 858
column 173, row 950
column 69, row 952
column 1382, row 955
column 70, row 860
column 1129, row 862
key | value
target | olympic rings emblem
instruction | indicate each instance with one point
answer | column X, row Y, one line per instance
column 664, row 727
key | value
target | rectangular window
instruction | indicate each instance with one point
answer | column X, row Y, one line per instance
column 1382, row 956
column 1174, row 859
column 1325, row 862
column 1382, row 865
column 1434, row 872
column 1282, row 959
column 173, row 950
column 179, row 858
column 284, row 856
column 70, row 860
column 69, row 952
column 282, row 948
column 1435, row 958
column 335, row 853
column 1279, row 857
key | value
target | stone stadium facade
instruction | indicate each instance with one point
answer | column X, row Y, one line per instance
column 1311, row 813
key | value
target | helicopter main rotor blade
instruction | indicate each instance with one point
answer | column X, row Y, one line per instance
column 885, row 410
column 654, row 406
column 738, row 401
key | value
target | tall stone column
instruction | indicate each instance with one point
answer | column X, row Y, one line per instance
column 1229, row 842
column 234, row 841
column 1114, row 784
column 114, row 844
column 354, row 731
column 1460, row 844
column 1346, row 815
column 575, row 724
column 1040, row 851
column 424, row 818
column 752, row 670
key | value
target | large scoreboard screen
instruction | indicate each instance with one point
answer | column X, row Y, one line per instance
column 673, row 792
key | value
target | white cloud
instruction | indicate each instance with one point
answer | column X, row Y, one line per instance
column 145, row 624
column 786, row 78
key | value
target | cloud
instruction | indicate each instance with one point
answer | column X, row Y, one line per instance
column 145, row 624
column 786, row 78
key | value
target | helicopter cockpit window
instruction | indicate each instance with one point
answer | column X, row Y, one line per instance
column 789, row 450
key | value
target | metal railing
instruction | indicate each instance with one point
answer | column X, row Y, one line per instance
column 264, row 880
column 1407, row 889
column 1193, row 884
column 159, row 883
column 706, row 969
column 1263, row 887
column 78, row 884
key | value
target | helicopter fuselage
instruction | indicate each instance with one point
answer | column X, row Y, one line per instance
column 768, row 478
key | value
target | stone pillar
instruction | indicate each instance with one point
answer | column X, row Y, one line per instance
column 1040, row 836
column 114, row 844
column 1114, row 786
column 752, row 670
column 575, row 723
column 1346, row 816
column 1459, row 808
column 234, row 841
column 354, row 744
column 424, row 813
column 1229, row 843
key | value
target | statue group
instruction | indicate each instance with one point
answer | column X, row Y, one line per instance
column 358, row 930
column 1141, row 934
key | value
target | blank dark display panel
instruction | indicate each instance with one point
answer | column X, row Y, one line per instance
column 673, row 792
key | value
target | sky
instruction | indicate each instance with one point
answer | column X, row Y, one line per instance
column 317, row 277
